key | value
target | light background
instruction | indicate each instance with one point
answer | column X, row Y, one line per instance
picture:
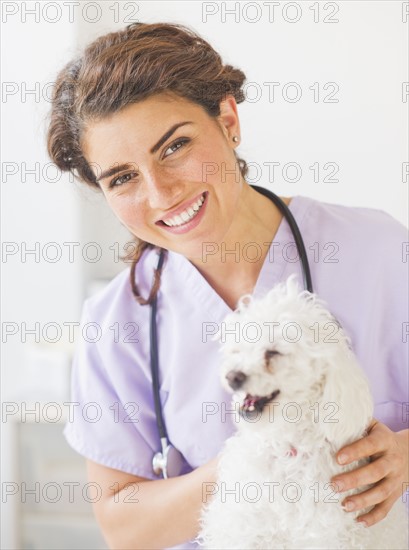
column 365, row 133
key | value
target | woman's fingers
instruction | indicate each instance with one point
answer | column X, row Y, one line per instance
column 379, row 512
column 386, row 472
column 375, row 495
column 377, row 441
column 365, row 475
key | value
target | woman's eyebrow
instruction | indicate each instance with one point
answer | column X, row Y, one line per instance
column 167, row 135
column 115, row 170
column 118, row 168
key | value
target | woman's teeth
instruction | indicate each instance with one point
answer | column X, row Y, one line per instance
column 186, row 215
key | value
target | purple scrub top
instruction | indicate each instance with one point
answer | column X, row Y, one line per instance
column 359, row 265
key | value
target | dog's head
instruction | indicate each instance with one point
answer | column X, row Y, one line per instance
column 288, row 347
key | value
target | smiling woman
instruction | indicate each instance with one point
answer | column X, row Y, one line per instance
column 173, row 67
column 188, row 183
column 148, row 116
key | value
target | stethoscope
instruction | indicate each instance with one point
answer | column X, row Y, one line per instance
column 170, row 461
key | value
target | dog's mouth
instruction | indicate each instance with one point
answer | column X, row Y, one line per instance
column 253, row 404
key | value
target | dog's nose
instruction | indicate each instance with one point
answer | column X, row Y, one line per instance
column 235, row 379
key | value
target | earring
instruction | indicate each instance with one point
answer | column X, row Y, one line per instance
column 235, row 139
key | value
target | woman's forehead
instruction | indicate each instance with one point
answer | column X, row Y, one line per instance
column 161, row 105
column 140, row 129
column 147, row 116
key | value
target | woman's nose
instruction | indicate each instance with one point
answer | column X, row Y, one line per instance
column 162, row 191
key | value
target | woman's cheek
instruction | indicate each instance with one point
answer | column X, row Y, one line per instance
column 129, row 214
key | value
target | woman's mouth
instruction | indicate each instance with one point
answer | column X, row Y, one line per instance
column 188, row 218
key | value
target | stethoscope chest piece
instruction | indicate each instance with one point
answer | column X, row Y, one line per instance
column 168, row 462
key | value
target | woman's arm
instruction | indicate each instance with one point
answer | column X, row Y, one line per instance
column 388, row 469
column 136, row 512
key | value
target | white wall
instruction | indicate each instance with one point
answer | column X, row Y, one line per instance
column 364, row 133
column 365, row 54
column 33, row 210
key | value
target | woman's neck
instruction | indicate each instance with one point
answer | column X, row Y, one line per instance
column 234, row 269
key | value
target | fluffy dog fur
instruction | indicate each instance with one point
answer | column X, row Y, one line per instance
column 273, row 487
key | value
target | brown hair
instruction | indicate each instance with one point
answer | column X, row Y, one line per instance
column 125, row 67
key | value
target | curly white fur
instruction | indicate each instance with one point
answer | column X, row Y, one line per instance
column 273, row 487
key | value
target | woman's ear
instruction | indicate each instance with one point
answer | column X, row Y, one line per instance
column 229, row 119
column 346, row 405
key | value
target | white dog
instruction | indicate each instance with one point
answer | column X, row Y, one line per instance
column 300, row 396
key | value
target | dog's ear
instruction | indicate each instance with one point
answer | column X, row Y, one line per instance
column 346, row 399
column 346, row 405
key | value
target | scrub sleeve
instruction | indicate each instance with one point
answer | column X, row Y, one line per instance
column 103, row 428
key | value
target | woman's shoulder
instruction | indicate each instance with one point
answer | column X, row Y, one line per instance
column 116, row 300
column 356, row 253
column 114, row 291
column 337, row 211
column 346, row 223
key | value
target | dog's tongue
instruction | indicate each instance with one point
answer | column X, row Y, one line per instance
column 249, row 401
column 253, row 403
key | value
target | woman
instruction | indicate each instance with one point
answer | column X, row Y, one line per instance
column 148, row 115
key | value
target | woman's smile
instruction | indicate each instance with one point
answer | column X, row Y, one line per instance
column 184, row 219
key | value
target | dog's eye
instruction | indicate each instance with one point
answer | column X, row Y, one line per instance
column 271, row 353
column 268, row 354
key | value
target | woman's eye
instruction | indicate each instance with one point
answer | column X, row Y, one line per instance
column 177, row 145
column 117, row 182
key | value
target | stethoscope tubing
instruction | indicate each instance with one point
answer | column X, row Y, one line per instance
column 160, row 458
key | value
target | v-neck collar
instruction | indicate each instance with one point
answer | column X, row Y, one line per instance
column 272, row 270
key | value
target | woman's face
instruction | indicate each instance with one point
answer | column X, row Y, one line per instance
column 186, row 176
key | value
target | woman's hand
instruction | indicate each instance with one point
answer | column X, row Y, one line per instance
column 388, row 469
